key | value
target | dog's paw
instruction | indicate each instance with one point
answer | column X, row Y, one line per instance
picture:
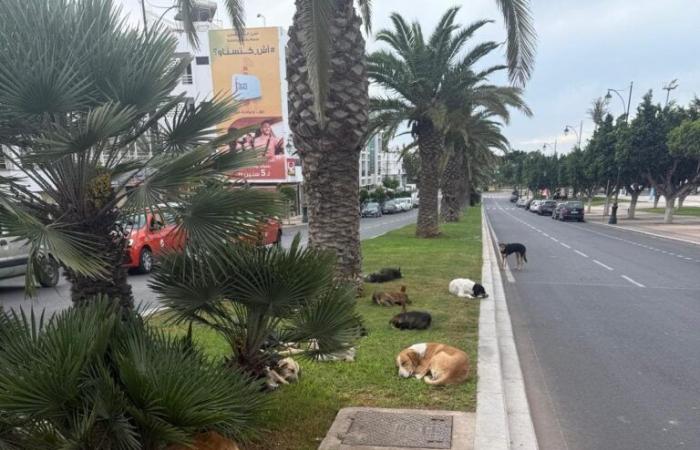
column 418, row 376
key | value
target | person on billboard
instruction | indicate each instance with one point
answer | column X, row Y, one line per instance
column 263, row 138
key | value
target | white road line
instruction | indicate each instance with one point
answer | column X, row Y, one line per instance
column 509, row 274
column 545, row 234
column 581, row 253
column 564, row 245
column 602, row 265
column 632, row 281
column 554, row 239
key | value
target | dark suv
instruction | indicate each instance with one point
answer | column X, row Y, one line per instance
column 546, row 207
column 571, row 210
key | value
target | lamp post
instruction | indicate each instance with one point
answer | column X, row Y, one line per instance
column 261, row 16
column 626, row 106
column 569, row 129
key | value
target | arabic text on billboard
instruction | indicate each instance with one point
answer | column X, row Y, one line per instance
column 250, row 71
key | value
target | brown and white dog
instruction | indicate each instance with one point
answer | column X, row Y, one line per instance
column 391, row 298
column 445, row 364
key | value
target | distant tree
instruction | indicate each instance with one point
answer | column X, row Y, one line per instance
column 598, row 111
column 667, row 171
column 391, row 183
column 411, row 164
column 684, row 145
column 364, row 196
column 631, row 165
column 602, row 157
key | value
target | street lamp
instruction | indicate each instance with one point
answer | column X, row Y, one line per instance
column 260, row 16
column 569, row 128
column 613, row 215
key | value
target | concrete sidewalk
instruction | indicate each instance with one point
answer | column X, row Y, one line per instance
column 683, row 228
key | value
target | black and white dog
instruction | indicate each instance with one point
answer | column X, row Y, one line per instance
column 508, row 249
column 464, row 287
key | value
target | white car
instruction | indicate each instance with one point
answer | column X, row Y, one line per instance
column 14, row 260
column 405, row 202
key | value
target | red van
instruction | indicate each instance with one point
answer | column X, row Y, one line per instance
column 150, row 234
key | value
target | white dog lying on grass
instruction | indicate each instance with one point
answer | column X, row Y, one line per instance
column 466, row 288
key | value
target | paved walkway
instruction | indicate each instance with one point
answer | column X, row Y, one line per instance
column 684, row 228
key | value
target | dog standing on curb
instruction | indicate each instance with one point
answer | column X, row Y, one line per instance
column 508, row 249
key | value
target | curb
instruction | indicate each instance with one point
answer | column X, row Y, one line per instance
column 503, row 418
column 648, row 233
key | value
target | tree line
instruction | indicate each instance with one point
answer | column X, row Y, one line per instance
column 659, row 148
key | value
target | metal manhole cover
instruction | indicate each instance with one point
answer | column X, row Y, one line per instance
column 381, row 429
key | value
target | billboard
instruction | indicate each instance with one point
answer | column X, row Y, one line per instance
column 251, row 71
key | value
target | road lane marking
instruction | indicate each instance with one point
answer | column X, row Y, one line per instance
column 581, row 253
column 554, row 239
column 545, row 234
column 632, row 281
column 564, row 245
column 509, row 274
column 602, row 265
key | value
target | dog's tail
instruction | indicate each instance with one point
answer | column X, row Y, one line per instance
column 525, row 256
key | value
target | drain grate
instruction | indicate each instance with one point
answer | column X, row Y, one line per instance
column 383, row 429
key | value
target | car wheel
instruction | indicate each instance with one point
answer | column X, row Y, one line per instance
column 48, row 273
column 145, row 261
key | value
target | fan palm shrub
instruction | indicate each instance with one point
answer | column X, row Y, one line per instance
column 259, row 298
column 97, row 378
column 87, row 114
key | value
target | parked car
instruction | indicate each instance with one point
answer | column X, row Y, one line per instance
column 14, row 261
column 546, row 207
column 571, row 210
column 514, row 197
column 390, row 207
column 372, row 210
column 521, row 202
column 415, row 199
column 534, row 205
column 557, row 209
column 405, row 203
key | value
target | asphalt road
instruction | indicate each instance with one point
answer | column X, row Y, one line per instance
column 54, row 299
column 607, row 325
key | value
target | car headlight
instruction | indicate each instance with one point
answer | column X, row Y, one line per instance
column 129, row 242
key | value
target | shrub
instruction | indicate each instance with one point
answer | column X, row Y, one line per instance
column 91, row 378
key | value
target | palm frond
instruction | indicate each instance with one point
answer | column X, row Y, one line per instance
column 315, row 35
column 236, row 12
column 366, row 14
column 186, row 9
column 521, row 39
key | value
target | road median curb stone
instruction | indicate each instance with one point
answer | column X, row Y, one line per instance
column 503, row 418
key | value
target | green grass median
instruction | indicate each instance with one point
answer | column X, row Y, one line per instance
column 302, row 413
column 685, row 211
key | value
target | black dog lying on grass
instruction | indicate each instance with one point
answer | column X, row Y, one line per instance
column 384, row 275
column 411, row 320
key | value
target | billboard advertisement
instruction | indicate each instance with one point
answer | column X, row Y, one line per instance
column 251, row 71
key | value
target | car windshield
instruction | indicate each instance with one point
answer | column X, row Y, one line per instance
column 574, row 205
column 372, row 206
column 550, row 202
column 134, row 221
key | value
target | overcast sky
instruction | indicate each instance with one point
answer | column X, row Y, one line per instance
column 583, row 48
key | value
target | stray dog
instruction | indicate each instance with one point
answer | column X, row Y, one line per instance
column 445, row 364
column 293, row 348
column 287, row 371
column 384, row 275
column 464, row 287
column 391, row 298
column 412, row 320
column 520, row 254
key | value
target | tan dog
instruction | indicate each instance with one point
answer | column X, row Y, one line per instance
column 287, row 371
column 445, row 364
column 391, row 298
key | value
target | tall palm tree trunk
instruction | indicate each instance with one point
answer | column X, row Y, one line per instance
column 451, row 183
column 429, row 148
column 330, row 151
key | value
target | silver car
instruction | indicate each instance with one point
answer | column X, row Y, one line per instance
column 14, row 260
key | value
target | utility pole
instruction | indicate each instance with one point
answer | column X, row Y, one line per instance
column 668, row 87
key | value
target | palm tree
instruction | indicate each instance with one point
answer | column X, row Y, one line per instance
column 259, row 298
column 79, row 93
column 415, row 74
column 598, row 110
column 328, row 106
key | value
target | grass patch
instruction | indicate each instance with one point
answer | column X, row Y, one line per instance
column 684, row 211
column 302, row 413
column 600, row 201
